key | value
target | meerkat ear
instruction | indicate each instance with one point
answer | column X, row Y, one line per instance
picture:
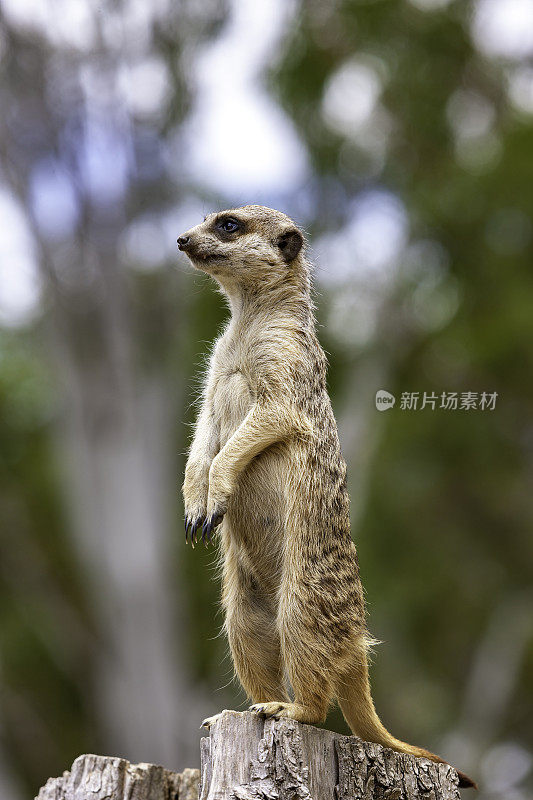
column 290, row 243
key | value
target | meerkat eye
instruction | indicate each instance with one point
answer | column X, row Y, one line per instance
column 228, row 225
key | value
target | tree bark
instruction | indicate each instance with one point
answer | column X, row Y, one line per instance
column 249, row 758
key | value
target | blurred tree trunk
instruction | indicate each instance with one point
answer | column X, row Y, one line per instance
column 115, row 440
column 113, row 352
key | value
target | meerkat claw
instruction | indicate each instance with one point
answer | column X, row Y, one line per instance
column 195, row 526
column 191, row 526
column 208, row 721
column 209, row 526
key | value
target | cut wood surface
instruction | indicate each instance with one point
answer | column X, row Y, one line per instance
column 249, row 758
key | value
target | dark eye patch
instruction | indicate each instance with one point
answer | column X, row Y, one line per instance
column 228, row 225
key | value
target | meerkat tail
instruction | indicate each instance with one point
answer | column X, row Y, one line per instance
column 359, row 712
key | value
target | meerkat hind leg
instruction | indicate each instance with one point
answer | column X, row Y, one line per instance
column 255, row 648
column 250, row 627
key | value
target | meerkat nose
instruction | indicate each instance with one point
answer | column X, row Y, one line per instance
column 183, row 242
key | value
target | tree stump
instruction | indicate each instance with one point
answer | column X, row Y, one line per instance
column 249, row 758
column 106, row 778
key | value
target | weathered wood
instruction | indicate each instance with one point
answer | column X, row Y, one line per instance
column 104, row 778
column 249, row 758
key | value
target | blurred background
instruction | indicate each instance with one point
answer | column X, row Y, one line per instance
column 399, row 134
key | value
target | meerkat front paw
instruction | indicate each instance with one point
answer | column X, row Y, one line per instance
column 216, row 509
column 192, row 524
column 203, row 523
column 195, row 516
column 195, row 492
column 220, row 490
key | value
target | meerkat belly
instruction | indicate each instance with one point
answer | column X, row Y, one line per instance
column 233, row 400
column 257, row 515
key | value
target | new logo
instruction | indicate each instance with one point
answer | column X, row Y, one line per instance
column 384, row 400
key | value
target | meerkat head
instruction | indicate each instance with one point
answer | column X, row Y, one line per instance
column 246, row 245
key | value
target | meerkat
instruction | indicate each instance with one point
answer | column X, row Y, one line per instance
column 265, row 469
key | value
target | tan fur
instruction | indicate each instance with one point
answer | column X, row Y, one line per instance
column 266, row 460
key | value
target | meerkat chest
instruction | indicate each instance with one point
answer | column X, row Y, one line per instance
column 233, row 393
